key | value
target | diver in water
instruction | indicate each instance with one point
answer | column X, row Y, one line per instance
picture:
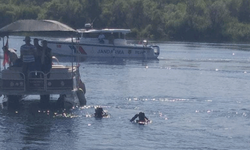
column 99, row 113
column 142, row 118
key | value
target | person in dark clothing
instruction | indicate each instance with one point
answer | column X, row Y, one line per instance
column 142, row 118
column 38, row 57
column 111, row 38
column 38, row 47
column 99, row 113
column 46, row 58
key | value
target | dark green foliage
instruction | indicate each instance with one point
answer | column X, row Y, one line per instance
column 183, row 20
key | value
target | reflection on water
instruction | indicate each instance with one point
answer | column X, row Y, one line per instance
column 31, row 126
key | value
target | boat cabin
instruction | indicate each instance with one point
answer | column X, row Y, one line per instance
column 110, row 36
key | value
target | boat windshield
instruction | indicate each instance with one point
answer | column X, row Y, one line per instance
column 116, row 35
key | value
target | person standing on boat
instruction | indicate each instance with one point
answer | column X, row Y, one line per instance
column 111, row 38
column 101, row 38
column 142, row 118
column 46, row 58
column 38, row 47
column 38, row 57
column 28, row 53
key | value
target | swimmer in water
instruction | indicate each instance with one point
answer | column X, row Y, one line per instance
column 142, row 118
column 100, row 113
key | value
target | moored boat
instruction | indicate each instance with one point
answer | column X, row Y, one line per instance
column 104, row 43
column 64, row 81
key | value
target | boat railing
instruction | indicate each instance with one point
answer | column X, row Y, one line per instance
column 51, row 81
column 37, row 82
column 12, row 81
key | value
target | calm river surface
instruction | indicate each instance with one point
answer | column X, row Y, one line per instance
column 196, row 94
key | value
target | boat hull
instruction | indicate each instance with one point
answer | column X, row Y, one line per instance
column 103, row 50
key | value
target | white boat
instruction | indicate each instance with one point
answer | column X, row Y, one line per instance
column 113, row 45
column 64, row 81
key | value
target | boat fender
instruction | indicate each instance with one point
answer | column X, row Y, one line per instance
column 81, row 97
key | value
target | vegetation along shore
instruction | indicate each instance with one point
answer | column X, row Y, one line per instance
column 179, row 20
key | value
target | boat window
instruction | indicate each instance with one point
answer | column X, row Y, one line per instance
column 92, row 35
column 116, row 35
column 107, row 35
column 122, row 36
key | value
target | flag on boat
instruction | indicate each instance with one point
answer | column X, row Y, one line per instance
column 6, row 55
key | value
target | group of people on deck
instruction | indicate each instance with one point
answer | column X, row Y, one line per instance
column 36, row 57
column 32, row 57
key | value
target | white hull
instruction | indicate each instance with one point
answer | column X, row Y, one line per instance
column 103, row 50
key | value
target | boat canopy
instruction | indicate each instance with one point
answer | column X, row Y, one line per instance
column 123, row 31
column 22, row 26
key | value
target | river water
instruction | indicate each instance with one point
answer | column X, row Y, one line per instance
column 196, row 94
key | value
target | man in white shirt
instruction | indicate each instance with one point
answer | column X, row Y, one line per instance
column 28, row 53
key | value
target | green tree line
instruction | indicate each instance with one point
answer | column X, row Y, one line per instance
column 181, row 20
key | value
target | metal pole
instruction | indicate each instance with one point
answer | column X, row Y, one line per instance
column 72, row 55
column 3, row 57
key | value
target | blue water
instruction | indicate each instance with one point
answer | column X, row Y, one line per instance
column 196, row 94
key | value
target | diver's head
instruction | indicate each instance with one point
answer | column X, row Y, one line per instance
column 98, row 112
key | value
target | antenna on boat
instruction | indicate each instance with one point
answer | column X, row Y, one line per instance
column 93, row 23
